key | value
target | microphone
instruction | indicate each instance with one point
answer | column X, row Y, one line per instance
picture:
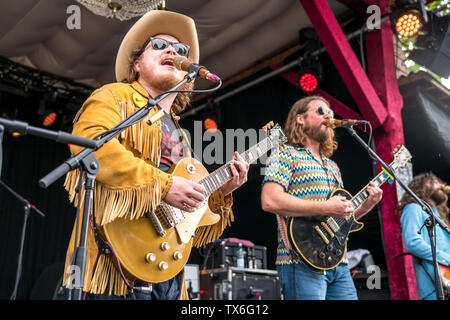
column 334, row 123
column 184, row 64
column 446, row 189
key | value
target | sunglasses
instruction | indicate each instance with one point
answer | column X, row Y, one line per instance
column 161, row 44
column 321, row 110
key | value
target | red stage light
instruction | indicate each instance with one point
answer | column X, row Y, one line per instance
column 210, row 124
column 49, row 119
column 308, row 82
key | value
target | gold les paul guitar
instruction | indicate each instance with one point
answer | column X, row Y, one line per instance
column 156, row 248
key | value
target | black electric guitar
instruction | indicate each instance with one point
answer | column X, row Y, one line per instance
column 322, row 240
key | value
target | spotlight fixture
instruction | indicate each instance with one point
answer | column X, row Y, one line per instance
column 409, row 16
column 49, row 118
column 408, row 24
column 210, row 124
column 310, row 74
column 212, row 116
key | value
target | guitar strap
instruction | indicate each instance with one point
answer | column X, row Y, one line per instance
column 183, row 137
column 283, row 230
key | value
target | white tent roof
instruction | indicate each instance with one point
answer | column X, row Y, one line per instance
column 233, row 35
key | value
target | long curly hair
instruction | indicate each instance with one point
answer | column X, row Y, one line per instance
column 182, row 99
column 295, row 133
column 422, row 186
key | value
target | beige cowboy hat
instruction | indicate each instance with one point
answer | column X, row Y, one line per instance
column 152, row 23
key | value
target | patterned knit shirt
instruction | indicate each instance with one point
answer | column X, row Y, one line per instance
column 301, row 175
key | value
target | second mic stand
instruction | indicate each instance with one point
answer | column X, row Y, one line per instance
column 430, row 222
column 89, row 163
column 27, row 208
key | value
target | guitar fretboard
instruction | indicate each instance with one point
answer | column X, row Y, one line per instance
column 219, row 177
column 362, row 196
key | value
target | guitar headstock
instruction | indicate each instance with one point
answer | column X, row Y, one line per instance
column 401, row 157
column 268, row 126
column 275, row 134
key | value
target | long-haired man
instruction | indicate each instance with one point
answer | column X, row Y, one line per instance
column 298, row 181
column 428, row 187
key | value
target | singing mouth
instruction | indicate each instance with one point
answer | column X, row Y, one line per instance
column 167, row 62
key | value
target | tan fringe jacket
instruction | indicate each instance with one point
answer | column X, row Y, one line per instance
column 128, row 184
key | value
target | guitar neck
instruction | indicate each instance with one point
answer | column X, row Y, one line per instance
column 222, row 175
column 362, row 195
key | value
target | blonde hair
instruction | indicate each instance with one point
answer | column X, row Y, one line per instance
column 295, row 133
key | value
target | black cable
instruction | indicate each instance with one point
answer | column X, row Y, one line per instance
column 121, row 126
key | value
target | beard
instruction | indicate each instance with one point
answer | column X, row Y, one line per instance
column 318, row 133
column 439, row 197
column 164, row 82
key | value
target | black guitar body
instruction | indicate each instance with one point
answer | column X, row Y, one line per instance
column 321, row 241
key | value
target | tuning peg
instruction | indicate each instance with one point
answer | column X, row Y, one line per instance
column 268, row 126
column 395, row 150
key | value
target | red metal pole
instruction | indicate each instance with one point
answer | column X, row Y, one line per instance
column 382, row 73
column 345, row 60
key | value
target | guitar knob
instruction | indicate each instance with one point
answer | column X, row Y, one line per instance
column 150, row 257
column 338, row 252
column 322, row 255
column 165, row 246
column 163, row 266
column 177, row 255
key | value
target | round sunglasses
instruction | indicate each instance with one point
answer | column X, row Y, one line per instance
column 322, row 110
column 161, row 44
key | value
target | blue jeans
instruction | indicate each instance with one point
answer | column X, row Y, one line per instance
column 335, row 284
column 168, row 290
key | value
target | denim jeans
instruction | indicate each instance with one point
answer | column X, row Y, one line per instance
column 168, row 290
column 334, row 284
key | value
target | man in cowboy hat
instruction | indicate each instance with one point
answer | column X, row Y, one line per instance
column 133, row 177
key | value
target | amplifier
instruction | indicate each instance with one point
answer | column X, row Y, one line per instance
column 239, row 284
column 224, row 254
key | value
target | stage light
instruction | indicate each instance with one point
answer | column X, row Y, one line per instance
column 408, row 17
column 16, row 134
column 408, row 24
column 212, row 116
column 308, row 82
column 49, row 118
column 210, row 124
column 310, row 74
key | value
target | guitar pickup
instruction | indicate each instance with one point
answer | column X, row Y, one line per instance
column 157, row 224
column 324, row 238
column 333, row 225
column 325, row 226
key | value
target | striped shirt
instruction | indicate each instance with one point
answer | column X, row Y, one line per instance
column 301, row 175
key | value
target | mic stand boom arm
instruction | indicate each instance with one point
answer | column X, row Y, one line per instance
column 430, row 222
column 89, row 163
